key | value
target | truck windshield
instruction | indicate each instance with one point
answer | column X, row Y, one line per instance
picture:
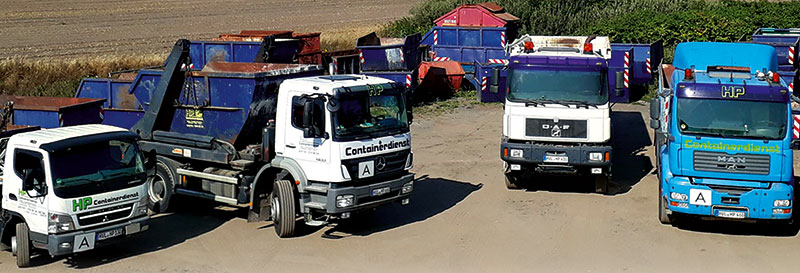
column 732, row 118
column 96, row 167
column 557, row 85
column 363, row 115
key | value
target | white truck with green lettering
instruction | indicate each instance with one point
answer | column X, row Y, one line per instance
column 70, row 189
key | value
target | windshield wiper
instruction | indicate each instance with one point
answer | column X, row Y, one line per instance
column 73, row 182
column 537, row 102
column 580, row 103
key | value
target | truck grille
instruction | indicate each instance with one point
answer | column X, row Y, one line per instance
column 736, row 163
column 565, row 128
column 395, row 163
column 104, row 215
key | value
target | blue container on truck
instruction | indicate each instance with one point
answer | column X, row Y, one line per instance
column 723, row 134
column 284, row 50
column 54, row 112
column 126, row 101
column 229, row 114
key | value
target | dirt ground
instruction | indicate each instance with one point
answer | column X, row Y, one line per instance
column 58, row 28
column 462, row 219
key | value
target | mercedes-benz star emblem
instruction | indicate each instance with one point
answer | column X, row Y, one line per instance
column 380, row 163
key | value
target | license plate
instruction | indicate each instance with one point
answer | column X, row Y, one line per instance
column 380, row 191
column 556, row 158
column 731, row 214
column 110, row 234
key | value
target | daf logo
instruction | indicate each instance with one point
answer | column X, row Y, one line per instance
column 380, row 163
column 555, row 130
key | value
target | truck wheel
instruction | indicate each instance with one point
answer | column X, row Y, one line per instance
column 512, row 181
column 283, row 211
column 663, row 217
column 601, row 184
column 159, row 189
column 22, row 245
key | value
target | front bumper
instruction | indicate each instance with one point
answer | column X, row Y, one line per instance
column 363, row 198
column 533, row 155
column 57, row 243
column 754, row 203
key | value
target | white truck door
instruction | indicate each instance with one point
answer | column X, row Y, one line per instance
column 30, row 203
column 313, row 154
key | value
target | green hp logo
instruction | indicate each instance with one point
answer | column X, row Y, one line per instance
column 81, row 204
column 732, row 91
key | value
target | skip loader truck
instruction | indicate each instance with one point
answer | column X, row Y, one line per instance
column 557, row 114
column 279, row 139
column 70, row 189
column 724, row 134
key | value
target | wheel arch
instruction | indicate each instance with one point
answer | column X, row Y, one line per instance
column 8, row 228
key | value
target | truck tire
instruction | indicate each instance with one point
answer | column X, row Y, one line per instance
column 512, row 181
column 23, row 245
column 601, row 184
column 663, row 217
column 160, row 188
column 283, row 209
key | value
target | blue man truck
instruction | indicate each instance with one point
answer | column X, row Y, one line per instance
column 722, row 122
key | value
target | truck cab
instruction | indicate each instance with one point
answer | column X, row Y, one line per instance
column 349, row 136
column 71, row 189
column 557, row 116
column 723, row 134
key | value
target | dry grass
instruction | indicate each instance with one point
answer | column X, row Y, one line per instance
column 61, row 77
column 345, row 38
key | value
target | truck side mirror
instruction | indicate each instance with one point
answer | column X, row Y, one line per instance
column 493, row 82
column 655, row 113
column 313, row 120
column 619, row 82
column 27, row 180
column 150, row 164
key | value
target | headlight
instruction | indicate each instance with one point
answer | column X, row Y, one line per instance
column 407, row 187
column 596, row 156
column 678, row 196
column 343, row 201
column 409, row 161
column 782, row 203
column 345, row 173
column 516, row 153
column 57, row 223
column 141, row 208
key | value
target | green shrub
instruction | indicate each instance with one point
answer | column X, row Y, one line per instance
column 626, row 21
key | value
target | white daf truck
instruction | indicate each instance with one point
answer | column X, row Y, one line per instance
column 70, row 189
column 557, row 114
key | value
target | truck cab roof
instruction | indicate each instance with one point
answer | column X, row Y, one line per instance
column 561, row 46
column 326, row 84
column 705, row 54
column 723, row 71
column 53, row 139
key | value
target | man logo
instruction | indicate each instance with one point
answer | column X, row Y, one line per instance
column 732, row 91
column 731, row 159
